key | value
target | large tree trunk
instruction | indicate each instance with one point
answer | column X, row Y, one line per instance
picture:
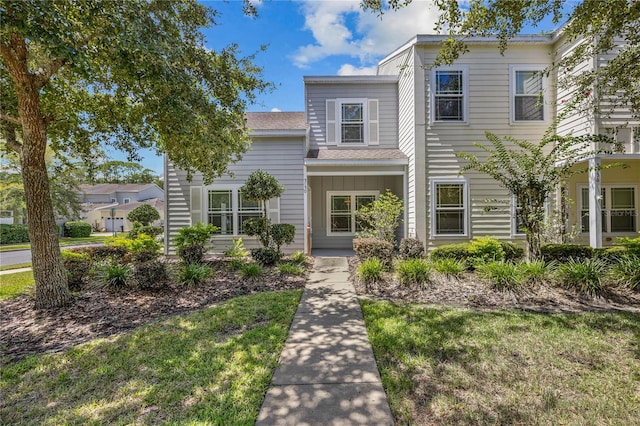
column 50, row 276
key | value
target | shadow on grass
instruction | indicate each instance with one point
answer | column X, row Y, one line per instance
column 212, row 366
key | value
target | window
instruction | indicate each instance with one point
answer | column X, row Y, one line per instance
column 527, row 94
column 228, row 209
column 449, row 88
column 352, row 121
column 517, row 226
column 126, row 200
column 619, row 208
column 449, row 208
column 341, row 211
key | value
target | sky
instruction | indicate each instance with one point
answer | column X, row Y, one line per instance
column 311, row 37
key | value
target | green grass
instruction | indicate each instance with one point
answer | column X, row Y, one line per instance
column 212, row 367
column 453, row 366
column 64, row 241
column 16, row 266
column 12, row 285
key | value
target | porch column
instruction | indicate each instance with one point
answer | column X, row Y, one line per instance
column 305, row 202
column 595, row 204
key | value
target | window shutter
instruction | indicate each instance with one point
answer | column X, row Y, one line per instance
column 196, row 204
column 331, row 122
column 273, row 210
column 374, row 137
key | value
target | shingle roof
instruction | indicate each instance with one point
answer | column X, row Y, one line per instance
column 110, row 188
column 276, row 121
column 157, row 203
column 356, row 154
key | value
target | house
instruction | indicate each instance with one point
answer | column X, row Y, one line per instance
column 106, row 206
column 400, row 130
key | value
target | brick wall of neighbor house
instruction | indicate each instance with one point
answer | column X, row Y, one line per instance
column 282, row 157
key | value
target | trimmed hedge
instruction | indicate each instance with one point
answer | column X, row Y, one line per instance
column 564, row 252
column 13, row 234
column 77, row 229
column 458, row 251
column 366, row 248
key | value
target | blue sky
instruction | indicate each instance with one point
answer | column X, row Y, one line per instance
column 312, row 37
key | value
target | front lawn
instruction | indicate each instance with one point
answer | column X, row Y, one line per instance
column 64, row 242
column 458, row 366
column 209, row 367
column 12, row 285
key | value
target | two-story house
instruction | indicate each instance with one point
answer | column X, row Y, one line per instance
column 400, row 130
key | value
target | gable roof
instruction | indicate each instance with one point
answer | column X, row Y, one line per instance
column 110, row 188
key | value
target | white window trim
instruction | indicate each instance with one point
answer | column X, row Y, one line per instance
column 467, row 207
column 607, row 189
column 465, row 95
column 126, row 200
column 512, row 94
column 353, row 195
column 235, row 208
column 365, row 120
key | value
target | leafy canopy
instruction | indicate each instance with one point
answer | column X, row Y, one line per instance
column 145, row 214
column 381, row 217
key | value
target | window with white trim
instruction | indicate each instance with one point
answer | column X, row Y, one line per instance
column 341, row 208
column 619, row 208
column 352, row 121
column 126, row 200
column 527, row 88
column 228, row 209
column 449, row 90
column 450, row 207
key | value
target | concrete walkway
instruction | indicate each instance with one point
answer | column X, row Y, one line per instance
column 14, row 271
column 327, row 373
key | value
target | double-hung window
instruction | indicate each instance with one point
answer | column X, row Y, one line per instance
column 449, row 207
column 619, row 208
column 341, row 210
column 220, row 211
column 449, row 89
column 228, row 209
column 527, row 88
column 352, row 122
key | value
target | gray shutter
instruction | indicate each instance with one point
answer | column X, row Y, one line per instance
column 331, row 122
column 196, row 204
column 374, row 137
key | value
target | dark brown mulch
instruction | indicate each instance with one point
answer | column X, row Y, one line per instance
column 470, row 292
column 101, row 312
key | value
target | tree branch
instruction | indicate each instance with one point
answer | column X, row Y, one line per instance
column 10, row 118
column 44, row 74
column 9, row 134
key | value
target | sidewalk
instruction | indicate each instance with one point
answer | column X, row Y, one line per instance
column 14, row 271
column 327, row 373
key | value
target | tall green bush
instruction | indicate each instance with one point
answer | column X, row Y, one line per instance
column 381, row 218
column 77, row 229
column 13, row 234
column 144, row 214
column 191, row 242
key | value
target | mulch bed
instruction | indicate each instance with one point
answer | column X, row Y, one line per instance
column 101, row 312
column 470, row 292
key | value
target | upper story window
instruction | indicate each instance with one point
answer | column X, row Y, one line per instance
column 527, row 89
column 449, row 93
column 352, row 122
column 126, row 200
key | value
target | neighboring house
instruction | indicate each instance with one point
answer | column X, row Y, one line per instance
column 400, row 130
column 106, row 206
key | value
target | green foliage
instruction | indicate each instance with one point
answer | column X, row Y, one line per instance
column 501, row 275
column 381, row 218
column 626, row 272
column 192, row 274
column 115, row 171
column 587, row 276
column 144, row 214
column 631, row 244
column 282, row 234
column 251, row 270
column 138, row 229
column 512, row 252
column 193, row 254
column 451, row 251
column 150, row 274
column 611, row 255
column 12, row 234
column 564, row 252
column 298, row 258
column 367, row 248
column 115, row 275
column 413, row 271
column 236, row 264
column 258, row 227
column 449, row 266
column 411, row 248
column 237, row 249
column 535, row 271
column 77, row 229
column 290, row 269
column 103, row 253
column 142, row 242
column 77, row 266
column 370, row 270
column 198, row 234
column 266, row 256
column 484, row 250
column 261, row 186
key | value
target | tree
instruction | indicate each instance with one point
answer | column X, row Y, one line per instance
column 532, row 171
column 381, row 218
column 114, row 171
column 145, row 214
column 261, row 187
column 76, row 74
column 599, row 23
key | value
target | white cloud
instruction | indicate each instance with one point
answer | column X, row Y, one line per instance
column 276, row 110
column 348, row 69
column 341, row 27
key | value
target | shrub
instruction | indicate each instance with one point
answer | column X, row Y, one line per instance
column 144, row 214
column 631, row 244
column 77, row 229
column 103, row 253
column 258, row 227
column 237, row 249
column 198, row 234
column 512, row 252
column 251, row 270
column 370, row 270
column 134, row 245
column 13, row 234
column 484, row 250
column 584, row 275
column 77, row 266
column 143, row 255
column 191, row 254
column 138, row 228
column 381, row 218
column 501, row 275
column 236, row 264
column 115, row 275
column 535, row 271
column 193, row 274
column 413, row 271
column 449, row 266
column 282, row 234
column 151, row 274
column 265, row 255
column 290, row 269
column 610, row 255
column 564, row 252
column 627, row 272
column 367, row 248
column 298, row 258
column 451, row 251
column 411, row 248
